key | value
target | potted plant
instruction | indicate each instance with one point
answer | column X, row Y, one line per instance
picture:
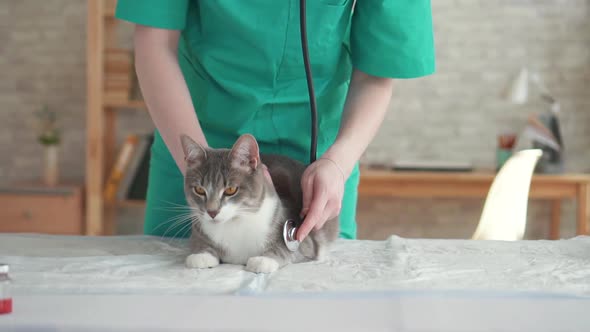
column 50, row 138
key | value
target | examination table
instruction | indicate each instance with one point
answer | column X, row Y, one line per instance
column 140, row 283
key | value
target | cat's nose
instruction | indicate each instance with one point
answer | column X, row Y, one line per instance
column 212, row 213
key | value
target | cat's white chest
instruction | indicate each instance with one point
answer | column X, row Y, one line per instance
column 245, row 235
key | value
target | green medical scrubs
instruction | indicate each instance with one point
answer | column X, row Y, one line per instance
column 242, row 62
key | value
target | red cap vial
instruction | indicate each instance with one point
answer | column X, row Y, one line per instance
column 5, row 296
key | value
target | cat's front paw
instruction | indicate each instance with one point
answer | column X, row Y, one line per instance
column 202, row 261
column 261, row 264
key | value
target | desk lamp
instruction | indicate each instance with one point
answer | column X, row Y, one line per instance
column 519, row 90
column 545, row 133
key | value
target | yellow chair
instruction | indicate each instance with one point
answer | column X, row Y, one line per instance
column 504, row 213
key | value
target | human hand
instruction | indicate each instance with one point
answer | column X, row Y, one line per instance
column 322, row 184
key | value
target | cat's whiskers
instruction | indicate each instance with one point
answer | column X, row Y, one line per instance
column 174, row 218
column 172, row 208
column 173, row 203
column 183, row 228
column 171, row 228
column 167, row 222
column 179, row 220
column 176, row 207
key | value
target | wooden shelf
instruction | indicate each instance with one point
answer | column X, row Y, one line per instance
column 131, row 104
column 108, row 89
column 131, row 203
column 109, row 8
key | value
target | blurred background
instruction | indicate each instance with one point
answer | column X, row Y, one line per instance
column 72, row 159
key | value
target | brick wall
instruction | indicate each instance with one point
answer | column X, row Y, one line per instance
column 481, row 45
column 454, row 114
column 42, row 61
column 457, row 113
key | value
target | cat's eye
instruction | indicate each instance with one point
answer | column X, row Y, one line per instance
column 199, row 191
column 230, row 191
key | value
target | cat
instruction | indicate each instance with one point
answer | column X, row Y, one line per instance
column 238, row 214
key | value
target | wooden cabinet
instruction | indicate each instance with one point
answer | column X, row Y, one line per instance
column 103, row 108
column 37, row 209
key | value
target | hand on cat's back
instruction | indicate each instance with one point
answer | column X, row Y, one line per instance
column 322, row 184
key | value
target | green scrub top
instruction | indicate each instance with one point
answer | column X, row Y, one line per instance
column 242, row 62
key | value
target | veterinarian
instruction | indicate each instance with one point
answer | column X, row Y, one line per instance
column 216, row 69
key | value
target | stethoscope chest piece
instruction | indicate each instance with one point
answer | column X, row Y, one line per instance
column 289, row 235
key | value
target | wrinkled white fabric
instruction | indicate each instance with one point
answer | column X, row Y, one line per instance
column 45, row 264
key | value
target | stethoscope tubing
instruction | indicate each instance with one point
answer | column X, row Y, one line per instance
column 291, row 226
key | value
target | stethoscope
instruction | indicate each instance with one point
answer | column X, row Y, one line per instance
column 291, row 226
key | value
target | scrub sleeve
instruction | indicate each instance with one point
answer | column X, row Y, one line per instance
column 393, row 39
column 244, row 68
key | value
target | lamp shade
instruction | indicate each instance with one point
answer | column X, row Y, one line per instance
column 519, row 89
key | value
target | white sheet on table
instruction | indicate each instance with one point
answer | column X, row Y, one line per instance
column 43, row 264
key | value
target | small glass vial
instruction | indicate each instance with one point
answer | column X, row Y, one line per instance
column 5, row 295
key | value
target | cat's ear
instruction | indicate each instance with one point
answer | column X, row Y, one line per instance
column 245, row 154
column 193, row 151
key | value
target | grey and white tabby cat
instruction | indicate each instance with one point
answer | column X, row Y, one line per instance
column 238, row 215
